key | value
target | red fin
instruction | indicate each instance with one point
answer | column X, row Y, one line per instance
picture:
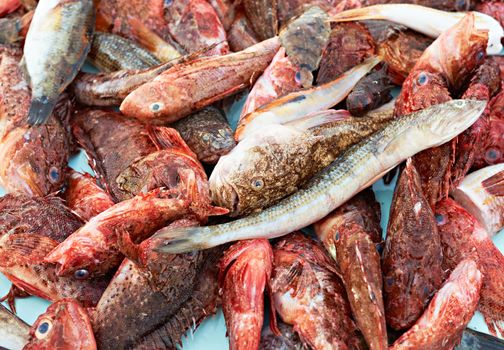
column 127, row 247
column 495, row 184
column 14, row 292
column 25, row 247
column 167, row 138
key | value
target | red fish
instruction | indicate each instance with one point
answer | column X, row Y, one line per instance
column 413, row 255
column 245, row 271
column 448, row 313
column 8, row 6
column 308, row 294
column 64, row 326
column 85, row 197
column 494, row 8
column 463, row 237
column 240, row 34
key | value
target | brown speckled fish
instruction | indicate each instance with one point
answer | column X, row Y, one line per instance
column 262, row 15
column 413, row 254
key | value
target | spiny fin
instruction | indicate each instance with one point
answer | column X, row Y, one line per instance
column 40, row 111
column 167, row 138
column 494, row 185
column 320, row 118
column 25, row 247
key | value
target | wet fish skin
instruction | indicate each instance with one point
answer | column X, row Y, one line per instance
column 474, row 340
column 14, row 333
column 8, row 6
column 262, row 15
column 110, row 53
column 56, row 46
column 367, row 161
column 240, row 35
column 288, row 340
column 207, row 133
column 446, row 5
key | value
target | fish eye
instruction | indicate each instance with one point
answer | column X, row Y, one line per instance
column 480, row 55
column 156, row 106
column 54, row 175
column 491, row 155
column 336, row 236
column 422, row 79
column 257, row 184
column 168, row 2
column 81, row 274
column 43, row 329
column 440, row 219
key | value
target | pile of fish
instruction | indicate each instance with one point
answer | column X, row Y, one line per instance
column 232, row 146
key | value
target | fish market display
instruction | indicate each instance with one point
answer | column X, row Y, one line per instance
column 56, row 46
column 366, row 161
column 13, row 331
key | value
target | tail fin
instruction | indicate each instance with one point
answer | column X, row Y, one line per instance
column 182, row 239
column 40, row 111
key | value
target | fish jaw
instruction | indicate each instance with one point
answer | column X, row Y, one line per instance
column 65, row 325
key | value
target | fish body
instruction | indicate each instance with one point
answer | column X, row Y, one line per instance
column 85, row 197
column 366, row 161
column 20, row 171
column 288, row 340
column 492, row 143
column 110, row 53
column 64, row 326
column 299, row 104
column 14, row 29
column 494, row 9
column 8, row 6
column 56, row 46
column 240, row 34
column 245, row 271
column 226, row 10
column 262, row 15
column 349, row 234
column 14, row 333
column 308, row 294
column 198, row 83
column 462, row 237
column 207, row 133
column 446, row 5
column 450, row 310
column 482, row 195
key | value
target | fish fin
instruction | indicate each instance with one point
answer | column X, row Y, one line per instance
column 231, row 255
column 273, row 315
column 494, row 185
column 40, row 111
column 182, row 239
column 358, row 14
column 127, row 247
column 168, row 138
column 10, row 297
column 25, row 248
column 319, row 118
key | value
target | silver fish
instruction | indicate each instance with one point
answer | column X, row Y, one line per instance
column 357, row 168
column 14, row 333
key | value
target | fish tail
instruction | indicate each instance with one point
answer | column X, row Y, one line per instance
column 40, row 111
column 359, row 14
column 182, row 239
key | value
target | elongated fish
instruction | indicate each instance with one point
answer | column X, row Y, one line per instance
column 14, row 333
column 56, row 46
column 425, row 20
column 357, row 168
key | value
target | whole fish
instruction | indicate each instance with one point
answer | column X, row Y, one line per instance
column 278, row 79
column 272, row 164
column 481, row 193
column 8, row 6
column 370, row 92
column 426, row 20
column 240, row 34
column 354, row 170
column 462, row 237
column 110, row 53
column 186, row 285
column 308, row 294
column 14, row 29
column 245, row 272
column 195, row 84
column 14, row 333
column 195, row 26
column 85, row 197
column 297, row 105
column 64, row 326
column 20, row 170
column 349, row 234
column 288, row 340
column 349, row 44
column 56, row 46
column 413, row 255
column 450, row 310
column 207, row 133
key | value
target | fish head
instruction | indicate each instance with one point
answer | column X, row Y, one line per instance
column 65, row 326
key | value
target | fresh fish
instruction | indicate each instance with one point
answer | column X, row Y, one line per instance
column 110, row 53
column 474, row 340
column 272, row 164
column 186, row 285
column 349, row 45
column 450, row 310
column 14, row 29
column 85, row 197
column 370, row 92
column 426, row 20
column 207, row 133
column 56, row 46
column 308, row 294
column 240, row 34
column 245, row 272
column 288, row 340
column 288, row 9
column 195, row 26
column 481, row 193
column 14, row 333
column 413, row 255
column 305, row 39
column 462, row 237
column 64, row 326
column 193, row 85
column 297, row 105
column 8, row 6
column 349, row 234
column 278, row 79
column 262, row 15
column 20, row 170
column 354, row 170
